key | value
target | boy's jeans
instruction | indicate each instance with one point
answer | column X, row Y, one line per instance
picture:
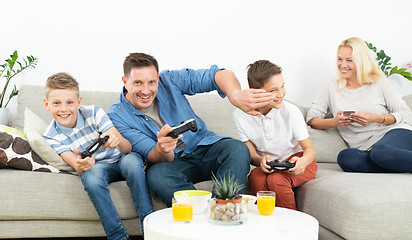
column 130, row 168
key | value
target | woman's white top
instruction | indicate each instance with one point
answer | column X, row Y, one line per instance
column 378, row 98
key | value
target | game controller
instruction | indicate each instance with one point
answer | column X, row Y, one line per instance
column 185, row 126
column 88, row 152
column 280, row 166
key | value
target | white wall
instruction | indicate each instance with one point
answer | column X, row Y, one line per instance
column 90, row 39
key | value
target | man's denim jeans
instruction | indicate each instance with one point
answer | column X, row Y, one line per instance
column 221, row 157
column 130, row 168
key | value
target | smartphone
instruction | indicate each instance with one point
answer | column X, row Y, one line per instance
column 348, row 112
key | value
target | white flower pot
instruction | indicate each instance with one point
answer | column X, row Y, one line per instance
column 4, row 116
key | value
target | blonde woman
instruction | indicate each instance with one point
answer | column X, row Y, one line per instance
column 368, row 113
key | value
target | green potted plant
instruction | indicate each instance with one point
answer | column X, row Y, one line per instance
column 226, row 189
column 227, row 206
column 8, row 70
column 385, row 65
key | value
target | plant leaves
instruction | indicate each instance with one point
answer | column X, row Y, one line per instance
column 11, row 63
column 394, row 69
column 14, row 56
column 385, row 65
column 7, row 68
column 406, row 74
column 226, row 187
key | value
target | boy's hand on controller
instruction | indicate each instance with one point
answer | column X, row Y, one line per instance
column 298, row 168
column 263, row 164
column 84, row 163
column 112, row 142
column 166, row 144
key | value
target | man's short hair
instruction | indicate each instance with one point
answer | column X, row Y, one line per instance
column 138, row 60
column 259, row 72
column 61, row 80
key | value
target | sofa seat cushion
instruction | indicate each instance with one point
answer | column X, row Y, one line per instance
column 54, row 196
column 327, row 143
column 359, row 205
column 328, row 169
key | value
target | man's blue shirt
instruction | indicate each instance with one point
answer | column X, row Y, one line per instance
column 174, row 108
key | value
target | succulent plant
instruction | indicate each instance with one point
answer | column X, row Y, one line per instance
column 226, row 188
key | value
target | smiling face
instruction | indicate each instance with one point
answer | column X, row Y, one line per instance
column 63, row 105
column 345, row 64
column 276, row 86
column 142, row 86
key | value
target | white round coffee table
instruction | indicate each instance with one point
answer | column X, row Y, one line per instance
column 282, row 224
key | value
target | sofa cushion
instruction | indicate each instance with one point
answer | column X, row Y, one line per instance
column 408, row 100
column 217, row 112
column 359, row 205
column 34, row 127
column 16, row 152
column 208, row 106
column 39, row 196
column 328, row 143
column 32, row 96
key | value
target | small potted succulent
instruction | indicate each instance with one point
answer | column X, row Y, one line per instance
column 227, row 206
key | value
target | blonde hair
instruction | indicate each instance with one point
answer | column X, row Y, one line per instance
column 61, row 80
column 367, row 68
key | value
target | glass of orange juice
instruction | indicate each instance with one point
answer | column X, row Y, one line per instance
column 182, row 212
column 266, row 201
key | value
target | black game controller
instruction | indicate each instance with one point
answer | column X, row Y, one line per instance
column 280, row 166
column 94, row 147
column 185, row 126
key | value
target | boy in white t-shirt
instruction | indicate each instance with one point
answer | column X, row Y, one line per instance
column 280, row 133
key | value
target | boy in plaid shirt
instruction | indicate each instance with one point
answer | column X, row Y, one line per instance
column 73, row 129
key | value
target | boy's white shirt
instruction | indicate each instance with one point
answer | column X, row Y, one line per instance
column 275, row 134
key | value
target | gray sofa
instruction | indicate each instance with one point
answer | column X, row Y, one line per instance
column 347, row 205
column 355, row 205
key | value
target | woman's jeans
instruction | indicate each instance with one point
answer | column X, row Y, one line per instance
column 222, row 157
column 130, row 168
column 391, row 154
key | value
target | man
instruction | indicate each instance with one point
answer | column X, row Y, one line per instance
column 151, row 103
